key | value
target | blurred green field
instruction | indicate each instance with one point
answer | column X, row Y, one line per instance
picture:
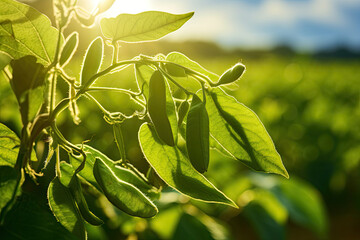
column 310, row 107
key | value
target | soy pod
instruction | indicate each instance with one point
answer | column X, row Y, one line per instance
column 123, row 195
column 157, row 108
column 232, row 74
column 197, row 135
column 69, row 48
column 92, row 60
column 76, row 191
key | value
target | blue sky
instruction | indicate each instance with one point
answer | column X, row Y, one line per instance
column 304, row 24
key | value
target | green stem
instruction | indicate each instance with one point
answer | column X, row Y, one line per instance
column 107, row 70
column 200, row 76
column 174, row 81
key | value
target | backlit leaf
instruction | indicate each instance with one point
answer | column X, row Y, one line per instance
column 145, row 26
column 176, row 170
column 183, row 60
column 25, row 31
column 63, row 206
column 8, row 180
column 28, row 86
column 9, row 146
column 240, row 132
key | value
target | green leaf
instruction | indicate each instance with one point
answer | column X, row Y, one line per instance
column 9, row 146
column 123, row 195
column 307, row 210
column 191, row 228
column 143, row 74
column 183, row 60
column 122, row 173
column 197, row 135
column 25, row 31
column 4, row 60
column 264, row 224
column 67, row 172
column 176, row 170
column 28, row 86
column 8, row 182
column 145, row 26
column 31, row 219
column 71, row 181
column 63, row 206
column 240, row 132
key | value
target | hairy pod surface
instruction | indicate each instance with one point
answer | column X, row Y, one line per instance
column 232, row 74
column 157, row 108
column 123, row 195
column 92, row 60
column 197, row 135
column 69, row 48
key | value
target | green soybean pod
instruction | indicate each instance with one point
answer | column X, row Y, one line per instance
column 119, row 139
column 69, row 48
column 232, row 74
column 197, row 135
column 183, row 110
column 92, row 60
column 76, row 191
column 157, row 108
column 123, row 195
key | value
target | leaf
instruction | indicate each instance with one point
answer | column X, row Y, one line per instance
column 183, row 60
column 145, row 26
column 191, row 228
column 67, row 172
column 240, row 132
column 31, row 219
column 264, row 224
column 8, row 182
column 63, row 206
column 303, row 203
column 28, row 86
column 197, row 135
column 176, row 170
column 25, row 31
column 9, row 146
column 4, row 60
column 71, row 181
column 123, row 195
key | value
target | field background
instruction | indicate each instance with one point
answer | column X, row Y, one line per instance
column 308, row 101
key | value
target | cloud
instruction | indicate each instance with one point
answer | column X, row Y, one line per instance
column 306, row 24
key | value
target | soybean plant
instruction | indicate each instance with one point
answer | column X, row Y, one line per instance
column 205, row 116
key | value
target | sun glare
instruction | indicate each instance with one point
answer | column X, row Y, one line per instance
column 120, row 6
